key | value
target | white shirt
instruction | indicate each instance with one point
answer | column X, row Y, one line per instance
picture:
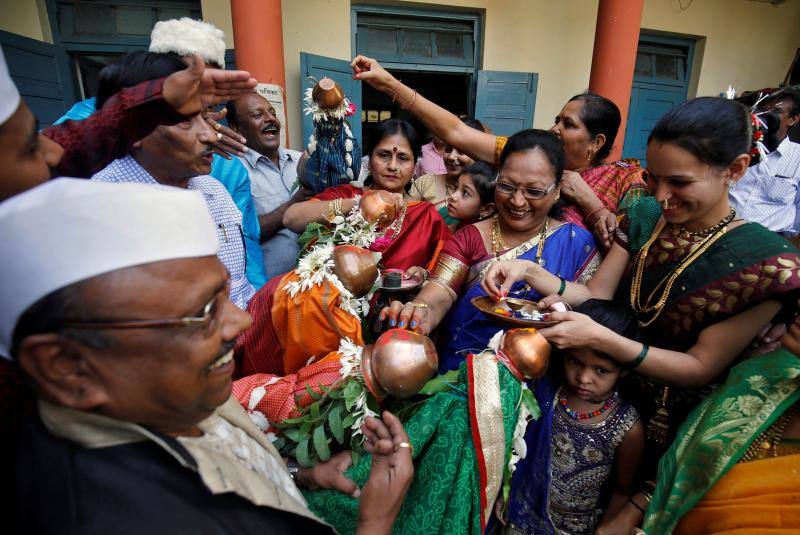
column 768, row 192
column 223, row 210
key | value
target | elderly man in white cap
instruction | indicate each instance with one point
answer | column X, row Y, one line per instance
column 126, row 334
column 186, row 37
column 80, row 149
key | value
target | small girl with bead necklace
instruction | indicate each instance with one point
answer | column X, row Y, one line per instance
column 586, row 435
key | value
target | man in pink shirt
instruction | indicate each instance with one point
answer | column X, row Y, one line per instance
column 431, row 161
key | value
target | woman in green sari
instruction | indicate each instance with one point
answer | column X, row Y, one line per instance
column 701, row 282
column 735, row 465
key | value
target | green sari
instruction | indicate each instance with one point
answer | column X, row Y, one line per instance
column 461, row 443
column 718, row 432
column 748, row 265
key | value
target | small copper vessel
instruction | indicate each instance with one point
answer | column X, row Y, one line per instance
column 355, row 267
column 378, row 206
column 528, row 350
column 398, row 364
column 327, row 94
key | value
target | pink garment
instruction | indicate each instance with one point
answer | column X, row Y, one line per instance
column 431, row 162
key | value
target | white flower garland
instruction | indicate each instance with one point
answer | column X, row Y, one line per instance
column 316, row 265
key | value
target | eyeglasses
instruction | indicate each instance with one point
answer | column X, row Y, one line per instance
column 532, row 194
column 208, row 321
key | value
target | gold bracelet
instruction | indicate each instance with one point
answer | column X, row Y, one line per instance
column 413, row 98
column 334, row 209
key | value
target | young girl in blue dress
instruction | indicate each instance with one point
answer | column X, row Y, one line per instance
column 587, row 435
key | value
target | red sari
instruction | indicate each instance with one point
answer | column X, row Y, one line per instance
column 261, row 349
column 410, row 247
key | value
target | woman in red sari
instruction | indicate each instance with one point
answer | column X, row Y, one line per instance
column 287, row 331
column 419, row 232
column 596, row 194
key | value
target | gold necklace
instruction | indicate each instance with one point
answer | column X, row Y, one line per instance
column 669, row 280
column 397, row 225
column 499, row 244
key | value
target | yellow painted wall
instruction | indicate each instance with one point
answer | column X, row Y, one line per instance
column 218, row 13
column 27, row 18
column 744, row 43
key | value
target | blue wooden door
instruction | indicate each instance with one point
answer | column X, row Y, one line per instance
column 339, row 71
column 506, row 101
column 42, row 75
column 660, row 82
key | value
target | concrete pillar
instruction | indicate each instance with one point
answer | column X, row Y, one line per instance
column 258, row 41
column 616, row 39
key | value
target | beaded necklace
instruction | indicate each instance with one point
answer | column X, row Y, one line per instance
column 576, row 415
column 766, row 444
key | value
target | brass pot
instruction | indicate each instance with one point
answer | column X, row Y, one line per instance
column 399, row 364
column 528, row 350
column 355, row 267
column 378, row 206
column 327, row 94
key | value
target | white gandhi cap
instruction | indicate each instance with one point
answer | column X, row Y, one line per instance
column 9, row 96
column 68, row 230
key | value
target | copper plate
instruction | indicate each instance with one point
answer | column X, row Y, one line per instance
column 487, row 305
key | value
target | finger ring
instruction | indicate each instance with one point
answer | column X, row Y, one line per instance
column 405, row 445
column 419, row 305
column 219, row 136
column 217, row 126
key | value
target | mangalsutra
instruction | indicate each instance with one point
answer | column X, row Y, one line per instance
column 766, row 445
column 499, row 244
column 710, row 230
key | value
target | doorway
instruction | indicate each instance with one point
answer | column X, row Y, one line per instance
column 451, row 91
column 660, row 82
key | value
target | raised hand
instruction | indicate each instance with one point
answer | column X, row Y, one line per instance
column 370, row 71
column 195, row 88
column 390, row 476
column 228, row 141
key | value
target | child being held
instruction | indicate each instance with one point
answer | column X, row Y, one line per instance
column 473, row 199
column 586, row 435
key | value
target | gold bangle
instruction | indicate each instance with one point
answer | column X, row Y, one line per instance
column 334, row 209
column 405, row 445
column 413, row 98
column 419, row 305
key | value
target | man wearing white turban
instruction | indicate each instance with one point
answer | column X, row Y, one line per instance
column 128, row 345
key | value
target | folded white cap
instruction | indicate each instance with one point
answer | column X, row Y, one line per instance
column 187, row 37
column 68, row 230
column 9, row 96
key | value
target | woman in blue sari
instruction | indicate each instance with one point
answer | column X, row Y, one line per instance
column 527, row 187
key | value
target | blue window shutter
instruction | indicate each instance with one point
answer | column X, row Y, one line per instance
column 339, row 71
column 230, row 59
column 505, row 101
column 649, row 102
column 42, row 75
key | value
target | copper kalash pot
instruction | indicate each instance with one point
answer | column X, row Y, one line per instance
column 528, row 350
column 356, row 268
column 398, row 364
column 378, row 206
column 327, row 94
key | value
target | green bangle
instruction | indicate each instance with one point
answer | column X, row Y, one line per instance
column 563, row 286
column 635, row 363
